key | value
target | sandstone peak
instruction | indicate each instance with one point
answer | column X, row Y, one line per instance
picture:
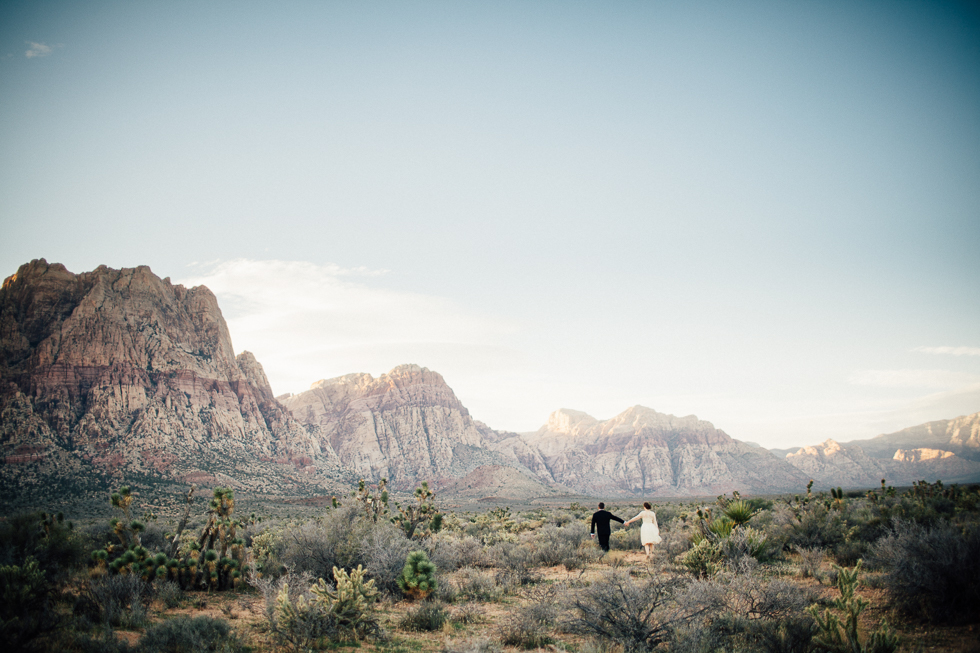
column 920, row 455
column 566, row 420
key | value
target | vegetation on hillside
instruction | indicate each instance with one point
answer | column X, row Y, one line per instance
column 837, row 571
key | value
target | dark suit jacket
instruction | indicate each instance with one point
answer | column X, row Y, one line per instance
column 601, row 519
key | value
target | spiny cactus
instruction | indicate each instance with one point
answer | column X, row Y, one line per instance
column 215, row 559
column 343, row 613
column 418, row 576
column 838, row 636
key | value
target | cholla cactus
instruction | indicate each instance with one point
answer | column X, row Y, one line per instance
column 343, row 613
column 842, row 637
column 418, row 576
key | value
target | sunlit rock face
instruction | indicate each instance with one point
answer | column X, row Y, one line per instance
column 849, row 465
column 130, row 374
column 643, row 452
column 831, row 464
column 406, row 426
column 921, row 455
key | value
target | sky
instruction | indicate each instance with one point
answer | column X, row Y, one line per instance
column 766, row 214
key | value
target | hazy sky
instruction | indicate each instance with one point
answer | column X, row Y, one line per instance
column 766, row 214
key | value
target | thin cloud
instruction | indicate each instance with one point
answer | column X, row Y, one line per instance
column 37, row 50
column 306, row 322
column 934, row 379
column 955, row 351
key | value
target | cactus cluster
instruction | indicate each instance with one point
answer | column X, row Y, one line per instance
column 215, row 559
column 343, row 613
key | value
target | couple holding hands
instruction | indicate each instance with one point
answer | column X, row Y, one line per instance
column 649, row 530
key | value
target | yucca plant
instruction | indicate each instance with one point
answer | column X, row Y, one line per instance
column 418, row 576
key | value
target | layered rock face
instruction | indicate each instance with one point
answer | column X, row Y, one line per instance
column 917, row 453
column 406, row 426
column 643, row 452
column 126, row 373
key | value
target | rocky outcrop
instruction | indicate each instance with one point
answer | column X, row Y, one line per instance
column 960, row 436
column 406, row 426
column 130, row 374
column 830, row 464
column 947, row 450
column 643, row 452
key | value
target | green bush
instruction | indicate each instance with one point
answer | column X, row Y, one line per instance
column 24, row 610
column 184, row 634
column 426, row 617
column 932, row 572
column 530, row 626
column 418, row 578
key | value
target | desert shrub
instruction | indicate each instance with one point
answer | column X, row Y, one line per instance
column 266, row 547
column 747, row 541
column 848, row 552
column 787, row 635
column 810, row 560
column 586, row 553
column 755, row 597
column 333, row 541
column 184, row 634
column 676, row 539
column 551, row 545
column 515, row 564
column 24, row 609
column 428, row 616
column 116, row 600
column 50, row 540
column 103, row 640
column 638, row 615
column 170, row 594
column 475, row 645
column 820, row 527
column 474, row 584
column 449, row 553
column 383, row 551
column 933, row 572
column 467, row 614
column 529, row 626
column 625, row 540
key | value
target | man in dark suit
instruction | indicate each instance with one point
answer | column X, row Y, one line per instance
column 600, row 525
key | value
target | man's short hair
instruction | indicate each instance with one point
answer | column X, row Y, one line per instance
column 602, row 506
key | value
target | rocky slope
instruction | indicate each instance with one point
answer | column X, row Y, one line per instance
column 948, row 450
column 643, row 452
column 121, row 374
column 406, row 426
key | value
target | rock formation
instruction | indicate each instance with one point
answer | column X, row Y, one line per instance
column 406, row 426
column 947, row 450
column 122, row 373
column 643, row 452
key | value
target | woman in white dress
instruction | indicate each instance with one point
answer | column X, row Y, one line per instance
column 649, row 530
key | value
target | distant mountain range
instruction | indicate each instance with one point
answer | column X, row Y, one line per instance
column 117, row 375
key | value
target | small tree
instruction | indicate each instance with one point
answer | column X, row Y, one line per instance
column 421, row 517
column 418, row 578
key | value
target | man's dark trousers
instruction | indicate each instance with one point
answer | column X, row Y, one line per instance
column 601, row 528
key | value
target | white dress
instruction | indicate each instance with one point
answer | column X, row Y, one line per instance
column 649, row 530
